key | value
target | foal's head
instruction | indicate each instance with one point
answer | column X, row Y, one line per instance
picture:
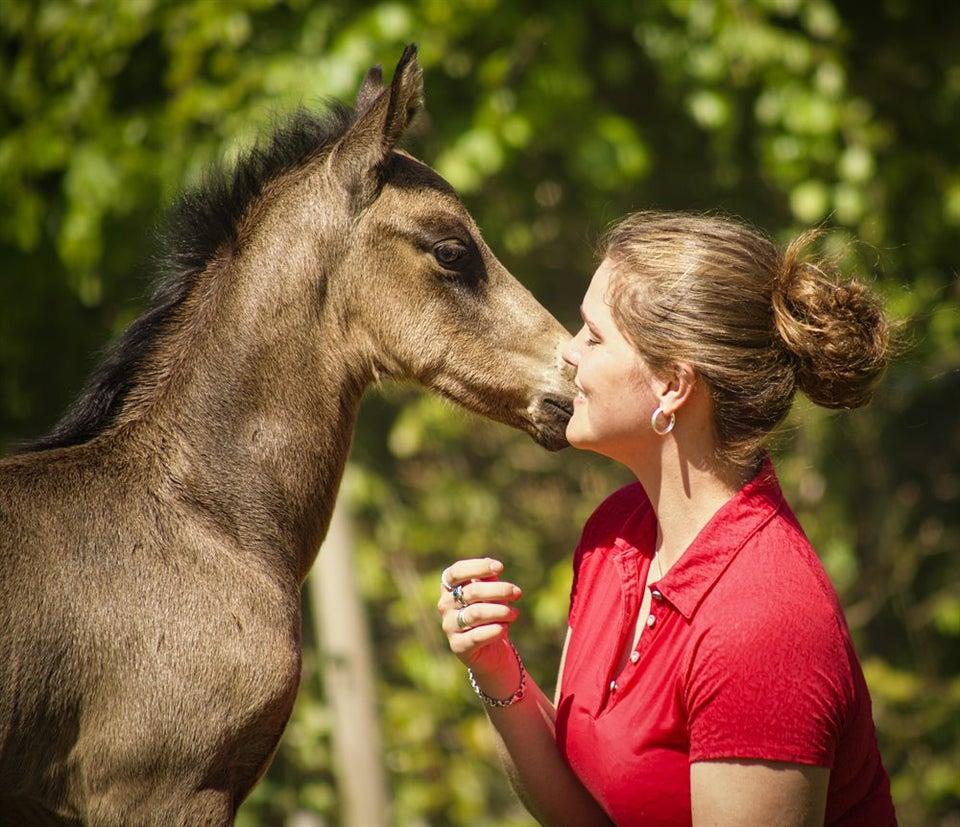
column 327, row 260
column 409, row 289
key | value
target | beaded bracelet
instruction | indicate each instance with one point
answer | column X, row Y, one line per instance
column 489, row 700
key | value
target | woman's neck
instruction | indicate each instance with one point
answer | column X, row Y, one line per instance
column 685, row 496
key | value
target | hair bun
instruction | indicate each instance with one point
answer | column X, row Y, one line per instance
column 834, row 331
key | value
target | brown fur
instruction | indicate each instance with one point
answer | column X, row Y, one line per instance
column 153, row 548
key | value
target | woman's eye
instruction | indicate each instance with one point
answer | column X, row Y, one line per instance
column 589, row 338
column 447, row 253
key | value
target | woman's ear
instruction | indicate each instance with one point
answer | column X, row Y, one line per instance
column 677, row 387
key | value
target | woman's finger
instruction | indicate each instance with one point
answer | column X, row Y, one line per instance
column 478, row 591
column 463, row 571
column 467, row 645
column 457, row 620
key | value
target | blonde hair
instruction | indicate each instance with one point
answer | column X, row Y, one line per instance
column 755, row 321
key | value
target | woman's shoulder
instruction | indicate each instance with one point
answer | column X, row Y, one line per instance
column 775, row 594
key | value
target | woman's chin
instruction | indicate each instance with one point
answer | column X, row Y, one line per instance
column 575, row 437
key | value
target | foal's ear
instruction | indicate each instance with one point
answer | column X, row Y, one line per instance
column 371, row 87
column 383, row 114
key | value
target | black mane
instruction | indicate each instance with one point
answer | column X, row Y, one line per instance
column 201, row 225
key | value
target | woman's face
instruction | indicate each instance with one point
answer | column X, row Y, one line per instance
column 611, row 412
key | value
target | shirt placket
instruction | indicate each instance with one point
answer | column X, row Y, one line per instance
column 628, row 568
column 653, row 621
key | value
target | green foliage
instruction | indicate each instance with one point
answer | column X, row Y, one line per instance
column 552, row 120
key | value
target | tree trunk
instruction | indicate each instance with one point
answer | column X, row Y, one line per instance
column 349, row 678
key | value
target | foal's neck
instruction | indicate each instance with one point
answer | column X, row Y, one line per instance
column 264, row 407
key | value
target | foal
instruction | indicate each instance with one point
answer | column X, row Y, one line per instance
column 152, row 548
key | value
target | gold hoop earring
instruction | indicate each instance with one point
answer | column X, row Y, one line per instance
column 657, row 429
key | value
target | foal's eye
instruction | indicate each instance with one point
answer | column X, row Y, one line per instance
column 449, row 252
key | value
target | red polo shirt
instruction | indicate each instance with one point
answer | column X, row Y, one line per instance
column 745, row 654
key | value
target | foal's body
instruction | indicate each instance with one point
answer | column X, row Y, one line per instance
column 152, row 549
column 154, row 667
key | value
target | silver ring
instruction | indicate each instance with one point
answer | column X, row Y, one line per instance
column 461, row 622
column 444, row 583
column 458, row 597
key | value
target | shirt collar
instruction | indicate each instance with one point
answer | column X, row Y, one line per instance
column 719, row 541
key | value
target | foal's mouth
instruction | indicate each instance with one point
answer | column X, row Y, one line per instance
column 551, row 426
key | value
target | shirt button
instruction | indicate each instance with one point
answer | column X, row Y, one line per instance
column 613, row 685
column 651, row 620
column 634, row 656
column 656, row 594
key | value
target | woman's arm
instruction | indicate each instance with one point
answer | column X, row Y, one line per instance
column 525, row 730
column 737, row 793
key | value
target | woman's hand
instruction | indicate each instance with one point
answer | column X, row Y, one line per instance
column 476, row 613
column 524, row 726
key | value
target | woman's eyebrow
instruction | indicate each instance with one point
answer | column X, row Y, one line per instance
column 587, row 322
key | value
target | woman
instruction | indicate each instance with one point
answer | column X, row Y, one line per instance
column 708, row 676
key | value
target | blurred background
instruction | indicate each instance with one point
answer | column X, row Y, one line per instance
column 552, row 119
